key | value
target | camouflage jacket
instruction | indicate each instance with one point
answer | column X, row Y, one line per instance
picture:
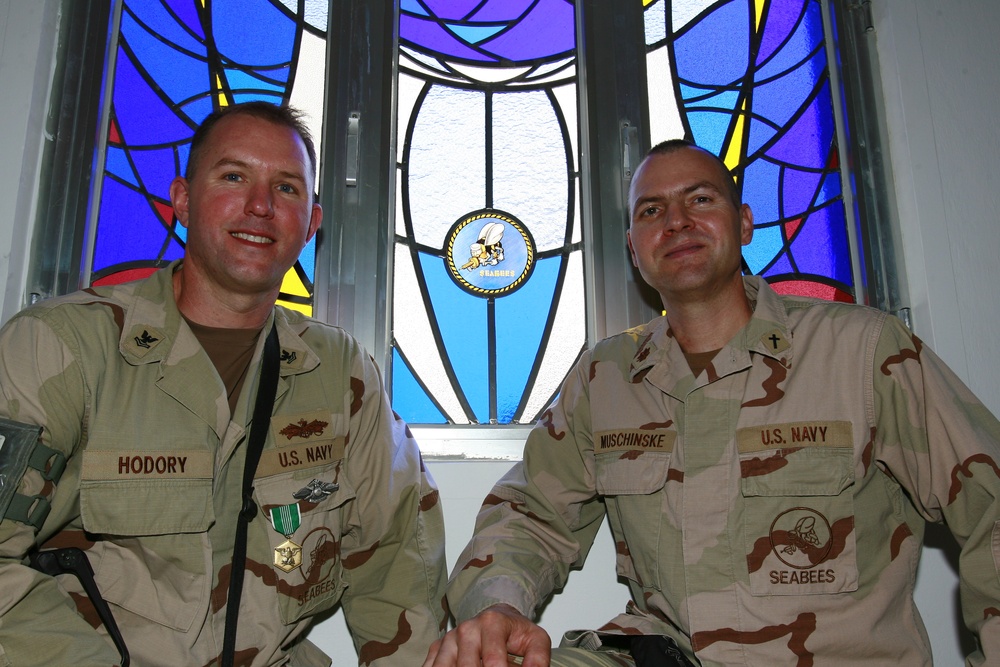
column 152, row 487
column 768, row 512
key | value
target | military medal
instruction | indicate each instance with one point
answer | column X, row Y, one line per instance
column 286, row 520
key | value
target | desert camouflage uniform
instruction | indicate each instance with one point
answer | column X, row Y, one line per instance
column 152, row 488
column 768, row 512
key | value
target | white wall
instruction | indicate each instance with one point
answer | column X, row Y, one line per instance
column 940, row 82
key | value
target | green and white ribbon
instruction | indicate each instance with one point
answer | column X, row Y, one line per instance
column 286, row 519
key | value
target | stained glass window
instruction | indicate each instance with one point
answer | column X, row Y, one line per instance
column 175, row 61
column 749, row 81
column 487, row 291
column 488, row 296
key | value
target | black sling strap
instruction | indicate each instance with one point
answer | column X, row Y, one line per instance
column 255, row 444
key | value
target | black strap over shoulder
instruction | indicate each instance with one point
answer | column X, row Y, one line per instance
column 263, row 405
column 657, row 651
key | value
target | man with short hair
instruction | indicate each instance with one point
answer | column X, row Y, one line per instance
column 767, row 465
column 145, row 395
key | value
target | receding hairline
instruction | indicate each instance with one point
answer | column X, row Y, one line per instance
column 673, row 146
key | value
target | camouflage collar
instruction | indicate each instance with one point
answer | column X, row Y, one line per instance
column 153, row 328
column 766, row 333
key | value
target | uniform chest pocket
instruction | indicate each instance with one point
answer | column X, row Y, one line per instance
column 304, row 522
column 632, row 485
column 151, row 558
column 799, row 520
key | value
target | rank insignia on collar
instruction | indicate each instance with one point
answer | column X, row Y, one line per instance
column 315, row 491
column 287, row 556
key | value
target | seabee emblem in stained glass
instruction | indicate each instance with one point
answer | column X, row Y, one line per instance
column 489, row 253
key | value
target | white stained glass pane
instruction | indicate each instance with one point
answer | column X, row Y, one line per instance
column 447, row 167
column 686, row 10
column 664, row 113
column 490, row 74
column 656, row 23
column 400, row 222
column 566, row 97
column 412, row 331
column 309, row 88
column 569, row 333
column 316, row 11
column 407, row 90
column 554, row 72
column 422, row 62
column 577, row 236
column 529, row 165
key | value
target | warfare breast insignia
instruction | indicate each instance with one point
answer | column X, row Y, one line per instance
column 304, row 429
column 315, row 491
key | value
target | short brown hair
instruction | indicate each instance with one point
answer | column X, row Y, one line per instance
column 289, row 117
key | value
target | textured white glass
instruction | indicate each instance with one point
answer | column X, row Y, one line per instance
column 554, row 71
column 309, row 88
column 569, row 333
column 421, row 62
column 664, row 110
column 412, row 331
column 316, row 11
column 686, row 10
column 489, row 74
column 529, row 165
column 656, row 23
column 447, row 168
column 407, row 90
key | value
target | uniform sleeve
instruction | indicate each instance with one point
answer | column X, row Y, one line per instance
column 41, row 384
column 393, row 558
column 540, row 519
column 943, row 446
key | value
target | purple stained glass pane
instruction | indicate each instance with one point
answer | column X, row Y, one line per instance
column 188, row 13
column 781, row 20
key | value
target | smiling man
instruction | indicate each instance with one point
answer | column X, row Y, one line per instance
column 767, row 465
column 167, row 426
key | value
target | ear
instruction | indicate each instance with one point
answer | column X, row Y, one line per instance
column 315, row 219
column 179, row 199
column 631, row 250
column 746, row 224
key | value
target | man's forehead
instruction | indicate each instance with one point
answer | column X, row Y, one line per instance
column 684, row 169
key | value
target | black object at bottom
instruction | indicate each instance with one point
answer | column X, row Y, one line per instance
column 73, row 561
column 657, row 651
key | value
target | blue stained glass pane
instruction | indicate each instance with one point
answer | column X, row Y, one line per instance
column 156, row 169
column 779, row 24
column 760, row 134
column 808, row 142
column 778, row 100
column 547, row 30
column 760, row 183
column 129, row 229
column 118, row 164
column 307, row 260
column 452, row 9
column 240, row 98
column 156, row 18
column 501, row 10
column 252, row 32
column 704, row 58
column 177, row 74
column 187, row 11
column 798, row 191
column 475, row 34
column 182, row 232
column 829, row 188
column 521, row 318
column 766, row 244
column 808, row 37
column 781, row 267
column 199, row 109
column 690, row 92
column 245, row 80
column 427, row 35
column 412, row 6
column 726, row 101
column 461, row 319
column 821, row 247
column 409, row 400
column 140, row 112
column 709, row 129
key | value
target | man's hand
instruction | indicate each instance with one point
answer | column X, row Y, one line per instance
column 487, row 639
